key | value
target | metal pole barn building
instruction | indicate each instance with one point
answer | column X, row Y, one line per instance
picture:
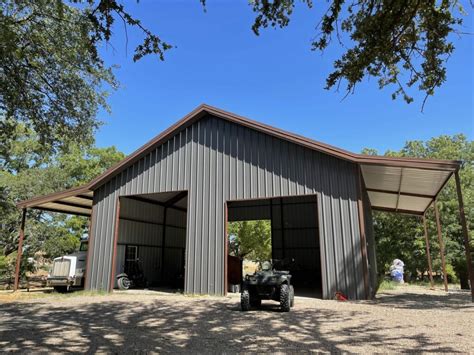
column 170, row 201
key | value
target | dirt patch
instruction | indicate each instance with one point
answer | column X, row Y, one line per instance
column 406, row 319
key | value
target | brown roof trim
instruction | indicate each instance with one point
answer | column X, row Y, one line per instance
column 203, row 110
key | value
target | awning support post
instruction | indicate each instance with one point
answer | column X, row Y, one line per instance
column 20, row 250
column 441, row 247
column 428, row 254
column 465, row 233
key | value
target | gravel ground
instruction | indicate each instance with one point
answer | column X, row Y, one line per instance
column 406, row 319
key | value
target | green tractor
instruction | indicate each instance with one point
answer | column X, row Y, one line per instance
column 267, row 284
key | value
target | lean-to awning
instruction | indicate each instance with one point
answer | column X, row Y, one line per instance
column 403, row 189
column 77, row 201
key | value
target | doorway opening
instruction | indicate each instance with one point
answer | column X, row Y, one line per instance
column 151, row 241
column 293, row 243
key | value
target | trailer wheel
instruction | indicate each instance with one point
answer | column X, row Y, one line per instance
column 285, row 298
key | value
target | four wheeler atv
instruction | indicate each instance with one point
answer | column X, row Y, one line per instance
column 268, row 284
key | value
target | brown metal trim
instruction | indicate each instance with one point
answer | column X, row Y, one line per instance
column 89, row 248
column 400, row 193
column 203, row 110
column 428, row 254
column 387, row 209
column 114, row 253
column 61, row 211
column 226, row 251
column 465, row 233
column 153, row 202
column 421, row 164
column 20, row 250
column 282, row 229
column 441, row 247
column 272, row 228
column 363, row 241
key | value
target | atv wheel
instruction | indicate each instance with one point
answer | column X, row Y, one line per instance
column 123, row 283
column 245, row 300
column 255, row 301
column 285, row 298
column 292, row 296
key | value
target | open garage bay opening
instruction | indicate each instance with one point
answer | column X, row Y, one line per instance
column 151, row 240
column 294, row 237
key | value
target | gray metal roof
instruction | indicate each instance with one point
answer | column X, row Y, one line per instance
column 402, row 189
column 394, row 184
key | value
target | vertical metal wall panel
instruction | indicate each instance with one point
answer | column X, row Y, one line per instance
column 370, row 237
column 217, row 161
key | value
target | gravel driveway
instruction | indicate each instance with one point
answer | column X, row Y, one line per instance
column 409, row 318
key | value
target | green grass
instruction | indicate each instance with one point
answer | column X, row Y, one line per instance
column 386, row 285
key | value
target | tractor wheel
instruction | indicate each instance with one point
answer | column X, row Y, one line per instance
column 292, row 296
column 255, row 301
column 245, row 300
column 285, row 298
column 123, row 283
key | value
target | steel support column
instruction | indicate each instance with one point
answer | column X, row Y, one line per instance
column 282, row 226
column 465, row 233
column 20, row 249
column 428, row 254
column 226, row 249
column 89, row 244
column 441, row 247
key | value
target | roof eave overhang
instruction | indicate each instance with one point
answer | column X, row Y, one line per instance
column 203, row 110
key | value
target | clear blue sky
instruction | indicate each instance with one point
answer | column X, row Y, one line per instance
column 273, row 78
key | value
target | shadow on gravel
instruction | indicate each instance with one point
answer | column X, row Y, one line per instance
column 453, row 300
column 193, row 325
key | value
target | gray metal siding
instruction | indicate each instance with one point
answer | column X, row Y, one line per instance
column 217, row 161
